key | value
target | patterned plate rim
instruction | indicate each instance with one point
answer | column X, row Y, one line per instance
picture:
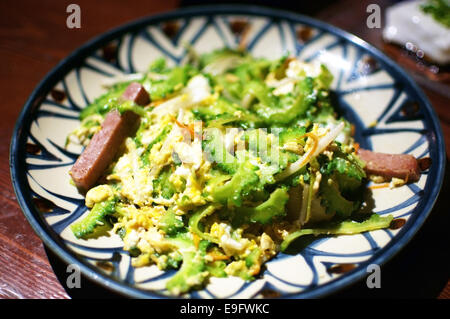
column 52, row 240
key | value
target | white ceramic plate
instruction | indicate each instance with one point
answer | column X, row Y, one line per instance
column 390, row 113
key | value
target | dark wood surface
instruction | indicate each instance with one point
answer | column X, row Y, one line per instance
column 34, row 38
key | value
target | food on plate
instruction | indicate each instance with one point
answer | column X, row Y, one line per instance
column 403, row 166
column 136, row 92
column 233, row 159
column 102, row 148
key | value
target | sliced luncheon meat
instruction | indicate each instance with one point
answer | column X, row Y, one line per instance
column 102, row 149
column 136, row 92
column 402, row 166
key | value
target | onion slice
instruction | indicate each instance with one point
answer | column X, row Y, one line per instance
column 319, row 147
column 197, row 90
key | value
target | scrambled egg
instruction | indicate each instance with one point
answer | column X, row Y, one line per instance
column 135, row 179
column 98, row 194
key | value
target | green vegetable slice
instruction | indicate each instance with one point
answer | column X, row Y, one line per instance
column 161, row 136
column 290, row 109
column 347, row 227
column 334, row 201
column 233, row 192
column 162, row 184
column 170, row 224
column 193, row 269
column 195, row 220
column 95, row 221
column 265, row 212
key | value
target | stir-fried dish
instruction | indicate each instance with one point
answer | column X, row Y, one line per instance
column 215, row 166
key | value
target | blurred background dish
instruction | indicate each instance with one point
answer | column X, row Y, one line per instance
column 417, row 36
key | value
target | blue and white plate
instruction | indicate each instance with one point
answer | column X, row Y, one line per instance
column 390, row 112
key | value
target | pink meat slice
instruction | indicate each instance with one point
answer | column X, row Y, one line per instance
column 136, row 92
column 402, row 166
column 102, row 149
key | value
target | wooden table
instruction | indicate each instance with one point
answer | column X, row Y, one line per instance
column 34, row 38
